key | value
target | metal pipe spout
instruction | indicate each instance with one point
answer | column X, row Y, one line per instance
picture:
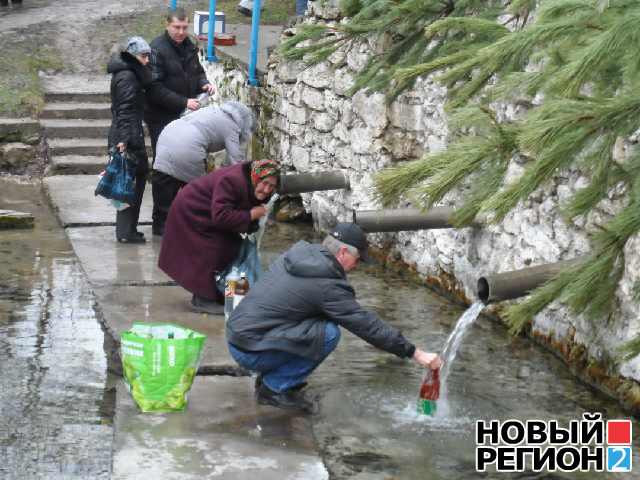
column 403, row 219
column 518, row 283
column 312, row 182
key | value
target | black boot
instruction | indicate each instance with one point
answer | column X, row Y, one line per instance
column 202, row 305
column 295, row 388
column 132, row 239
column 285, row 399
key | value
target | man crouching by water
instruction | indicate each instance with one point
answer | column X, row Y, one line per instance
column 289, row 321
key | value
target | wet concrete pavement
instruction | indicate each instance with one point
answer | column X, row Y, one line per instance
column 223, row 433
column 56, row 399
column 365, row 424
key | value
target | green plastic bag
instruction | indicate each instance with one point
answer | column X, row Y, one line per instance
column 159, row 361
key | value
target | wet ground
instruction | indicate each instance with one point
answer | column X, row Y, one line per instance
column 56, row 392
column 55, row 403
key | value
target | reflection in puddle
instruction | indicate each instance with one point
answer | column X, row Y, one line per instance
column 56, row 416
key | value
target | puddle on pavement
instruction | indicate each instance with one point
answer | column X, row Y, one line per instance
column 367, row 425
column 56, row 412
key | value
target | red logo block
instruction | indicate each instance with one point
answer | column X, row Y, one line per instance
column 619, row 431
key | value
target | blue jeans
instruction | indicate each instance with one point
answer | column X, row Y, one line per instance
column 301, row 7
column 283, row 370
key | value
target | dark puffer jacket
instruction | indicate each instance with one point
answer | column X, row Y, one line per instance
column 289, row 306
column 128, row 80
column 176, row 76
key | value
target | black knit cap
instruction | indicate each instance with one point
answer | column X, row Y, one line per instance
column 353, row 235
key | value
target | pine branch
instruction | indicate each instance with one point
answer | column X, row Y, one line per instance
column 518, row 315
column 392, row 183
column 609, row 44
column 603, row 174
column 631, row 349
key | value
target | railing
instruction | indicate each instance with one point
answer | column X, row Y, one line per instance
column 211, row 56
column 255, row 26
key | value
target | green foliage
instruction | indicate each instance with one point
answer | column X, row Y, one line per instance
column 350, row 7
column 574, row 68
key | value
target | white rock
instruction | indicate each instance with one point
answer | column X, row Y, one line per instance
column 371, row 109
column 297, row 114
column 313, row 98
column 300, row 158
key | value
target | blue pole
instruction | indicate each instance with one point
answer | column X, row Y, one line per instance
column 255, row 25
column 211, row 56
column 174, row 3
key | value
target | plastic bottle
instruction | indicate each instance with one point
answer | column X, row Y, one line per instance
column 242, row 288
column 170, row 335
column 429, row 393
column 203, row 98
column 229, row 290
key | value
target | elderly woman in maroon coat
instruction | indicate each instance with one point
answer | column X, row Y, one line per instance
column 202, row 233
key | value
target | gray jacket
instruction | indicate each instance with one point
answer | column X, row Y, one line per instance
column 184, row 144
column 289, row 306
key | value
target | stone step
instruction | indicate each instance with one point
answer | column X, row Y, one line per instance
column 84, row 146
column 77, row 146
column 10, row 219
column 64, row 128
column 77, row 164
column 64, row 88
column 76, row 110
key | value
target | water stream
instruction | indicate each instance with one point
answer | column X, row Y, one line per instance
column 449, row 353
column 367, row 425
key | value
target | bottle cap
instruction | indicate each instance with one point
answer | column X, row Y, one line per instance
column 243, row 274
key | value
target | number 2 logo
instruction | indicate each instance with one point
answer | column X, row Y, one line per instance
column 619, row 459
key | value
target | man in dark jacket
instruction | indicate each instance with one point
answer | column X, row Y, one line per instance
column 288, row 322
column 176, row 73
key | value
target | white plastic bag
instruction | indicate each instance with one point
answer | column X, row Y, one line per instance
column 248, row 4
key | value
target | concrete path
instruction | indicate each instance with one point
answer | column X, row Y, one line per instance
column 223, row 433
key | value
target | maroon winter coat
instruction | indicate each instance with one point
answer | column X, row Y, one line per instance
column 202, row 233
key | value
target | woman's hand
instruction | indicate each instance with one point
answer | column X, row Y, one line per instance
column 122, row 146
column 259, row 211
column 428, row 360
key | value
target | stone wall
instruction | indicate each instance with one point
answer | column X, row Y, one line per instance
column 309, row 124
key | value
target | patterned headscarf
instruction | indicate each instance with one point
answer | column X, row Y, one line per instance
column 261, row 169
